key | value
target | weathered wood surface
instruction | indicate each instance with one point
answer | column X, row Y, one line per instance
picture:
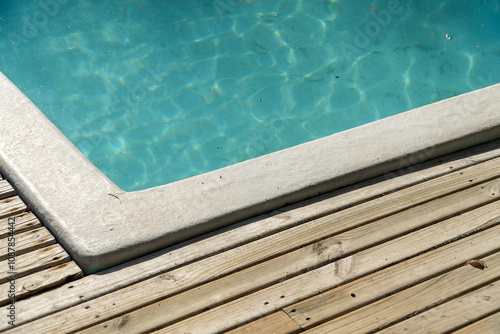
column 488, row 325
column 41, row 280
column 11, row 206
column 249, row 230
column 6, row 189
column 338, row 301
column 330, row 249
column 355, row 238
column 276, row 323
column 30, row 261
column 23, row 222
column 453, row 314
column 28, row 241
column 324, row 262
column 312, row 282
column 399, row 305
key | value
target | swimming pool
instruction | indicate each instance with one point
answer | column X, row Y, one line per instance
column 157, row 91
column 101, row 225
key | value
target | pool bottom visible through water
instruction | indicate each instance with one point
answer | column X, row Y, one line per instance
column 157, row 91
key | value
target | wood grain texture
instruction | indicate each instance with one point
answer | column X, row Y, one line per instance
column 349, row 241
column 251, row 229
column 32, row 262
column 37, row 265
column 11, row 206
column 238, row 274
column 23, row 222
column 27, row 242
column 253, row 306
column 41, row 280
column 453, row 314
column 213, row 293
column 404, row 304
column 276, row 323
column 370, row 288
column 6, row 189
column 488, row 325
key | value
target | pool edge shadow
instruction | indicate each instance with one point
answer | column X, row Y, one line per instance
column 101, row 225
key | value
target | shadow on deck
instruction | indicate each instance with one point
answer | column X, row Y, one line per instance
column 413, row 251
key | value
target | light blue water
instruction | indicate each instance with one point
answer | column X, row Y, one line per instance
column 155, row 91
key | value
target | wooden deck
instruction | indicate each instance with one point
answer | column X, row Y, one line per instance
column 30, row 259
column 417, row 251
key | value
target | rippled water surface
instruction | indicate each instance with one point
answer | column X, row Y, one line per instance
column 155, row 91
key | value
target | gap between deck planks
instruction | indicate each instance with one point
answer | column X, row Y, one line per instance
column 6, row 189
column 487, row 325
column 317, row 254
column 112, row 305
column 247, row 231
column 453, row 314
column 30, row 259
column 401, row 297
column 402, row 291
column 268, row 300
column 244, row 236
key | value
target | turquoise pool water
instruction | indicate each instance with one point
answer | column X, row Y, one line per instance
column 155, row 91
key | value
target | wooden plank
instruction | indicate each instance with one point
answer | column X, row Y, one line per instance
column 28, row 242
column 268, row 300
column 403, row 304
column 387, row 184
column 453, row 314
column 488, row 325
column 155, row 266
column 276, row 323
column 338, row 301
column 262, row 274
column 39, row 281
column 196, row 300
column 6, row 189
column 11, row 206
column 23, row 222
column 32, row 262
column 246, row 231
column 135, row 297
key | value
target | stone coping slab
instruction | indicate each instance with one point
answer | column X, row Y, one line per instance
column 100, row 225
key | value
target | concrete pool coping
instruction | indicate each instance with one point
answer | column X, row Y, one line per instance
column 101, row 225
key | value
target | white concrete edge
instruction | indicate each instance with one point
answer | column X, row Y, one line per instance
column 101, row 225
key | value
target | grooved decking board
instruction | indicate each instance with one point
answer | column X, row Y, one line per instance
column 38, row 281
column 260, row 275
column 244, row 237
column 276, row 323
column 32, row 262
column 488, row 325
column 195, row 300
column 453, row 314
column 268, row 300
column 22, row 233
column 28, row 241
column 339, row 300
column 23, row 222
column 404, row 304
column 397, row 180
column 6, row 189
column 249, row 230
column 348, row 242
column 11, row 206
